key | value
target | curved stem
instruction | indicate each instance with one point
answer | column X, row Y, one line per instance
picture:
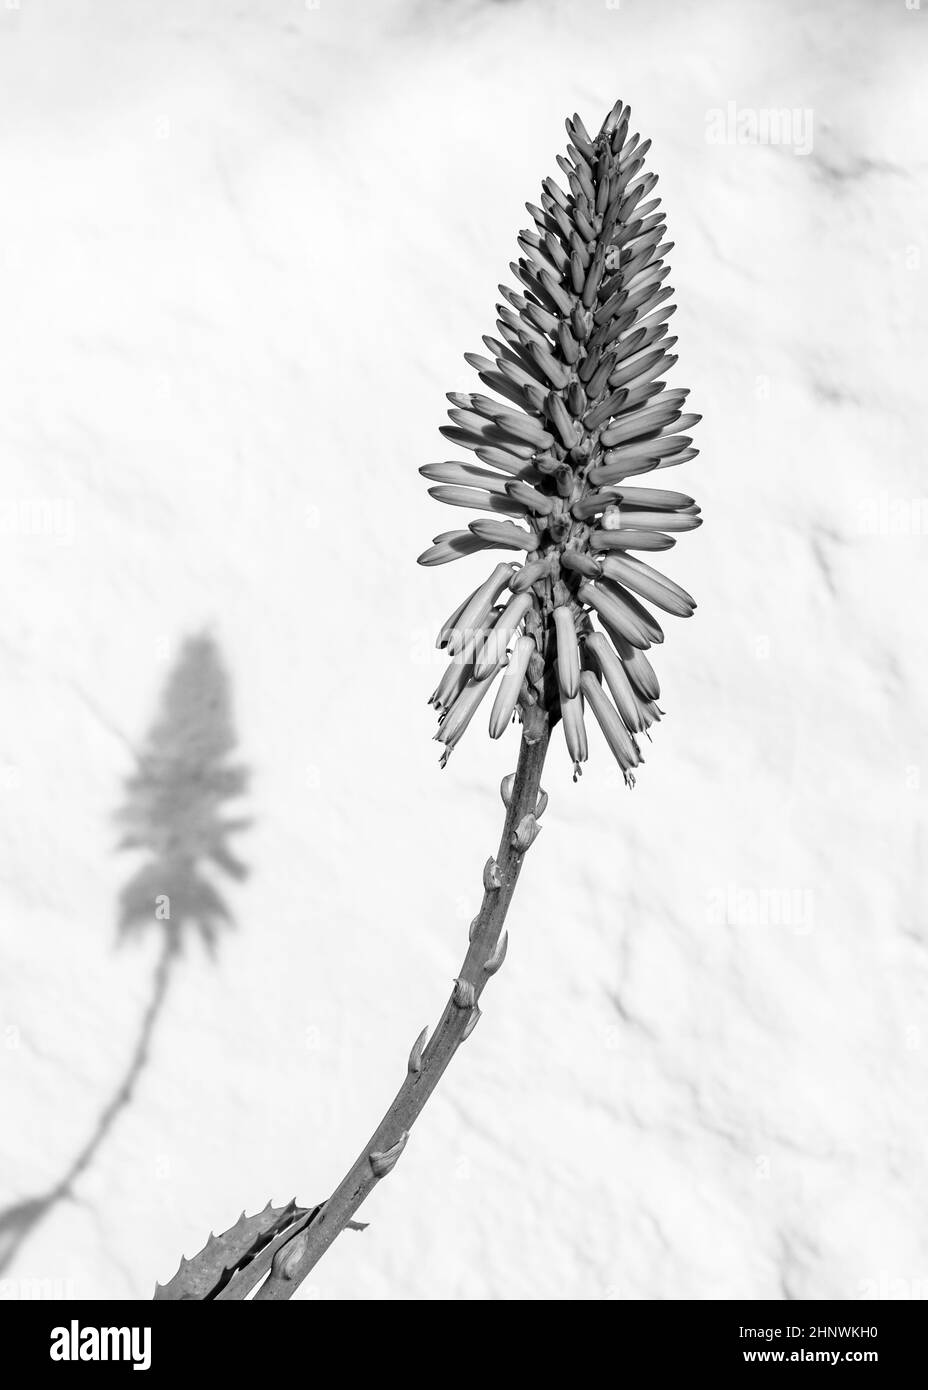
column 294, row 1258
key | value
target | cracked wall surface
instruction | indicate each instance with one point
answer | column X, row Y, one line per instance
column 242, row 256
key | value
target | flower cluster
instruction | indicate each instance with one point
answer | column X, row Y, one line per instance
column 579, row 407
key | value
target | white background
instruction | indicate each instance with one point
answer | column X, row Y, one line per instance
column 242, row 251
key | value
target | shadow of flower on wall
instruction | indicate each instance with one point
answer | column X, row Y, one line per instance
column 174, row 816
column 173, row 811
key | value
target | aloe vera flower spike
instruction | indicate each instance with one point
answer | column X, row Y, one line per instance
column 578, row 407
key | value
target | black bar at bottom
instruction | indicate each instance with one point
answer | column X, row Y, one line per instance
column 276, row 1341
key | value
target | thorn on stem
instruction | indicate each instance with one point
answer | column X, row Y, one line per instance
column 287, row 1260
column 464, row 996
column 493, row 962
column 525, row 833
column 383, row 1162
column 471, row 1023
column 415, row 1056
column 491, row 876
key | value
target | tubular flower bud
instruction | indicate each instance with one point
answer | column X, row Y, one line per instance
column 574, row 731
column 620, row 741
column 510, row 686
column 578, row 407
column 568, row 652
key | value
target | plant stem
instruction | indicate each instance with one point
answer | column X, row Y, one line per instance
column 294, row 1259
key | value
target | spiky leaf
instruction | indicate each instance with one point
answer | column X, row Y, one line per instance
column 206, row 1274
